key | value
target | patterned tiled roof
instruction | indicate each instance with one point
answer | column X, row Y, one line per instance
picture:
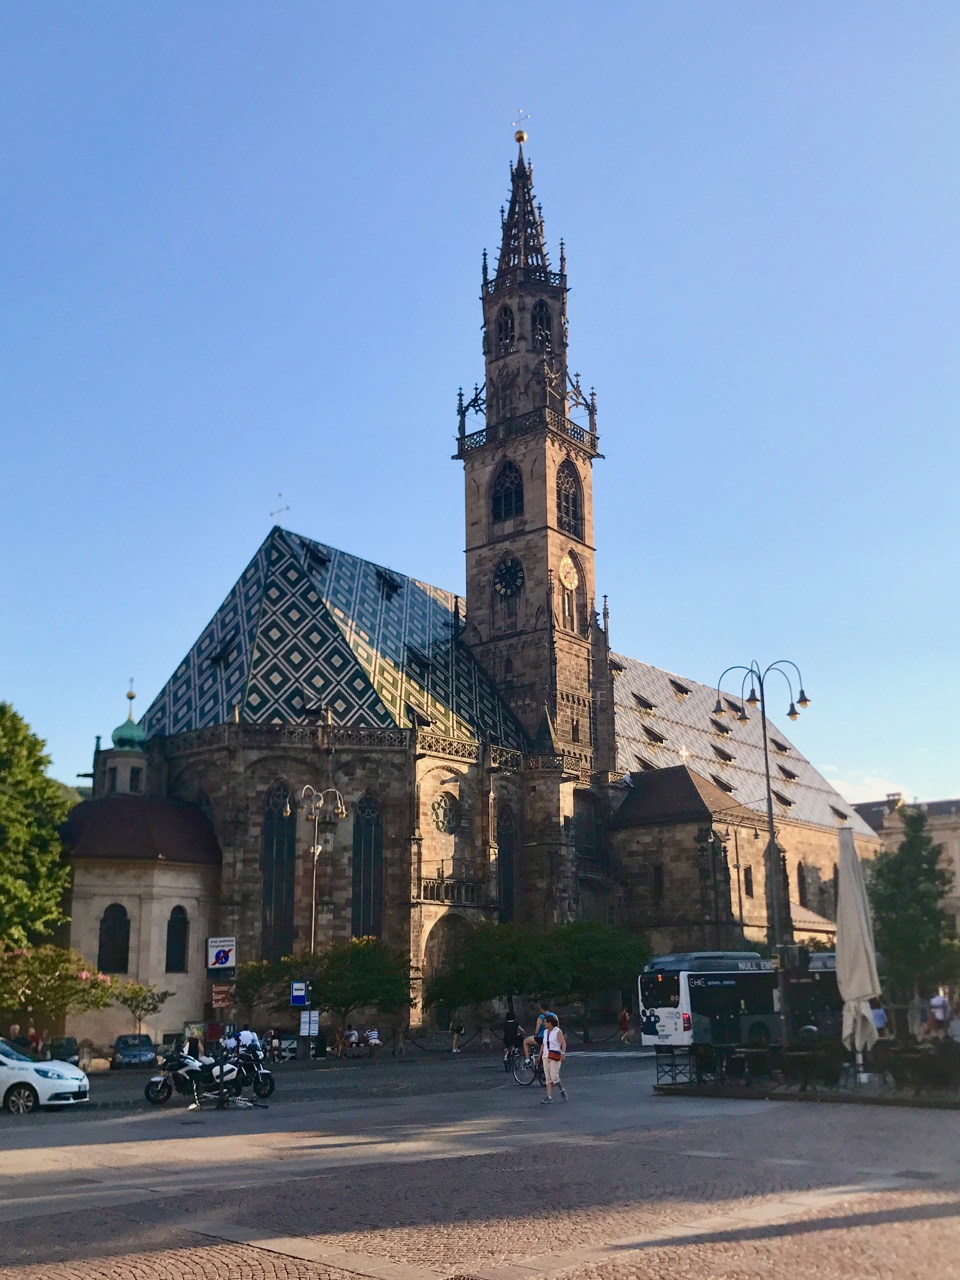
column 309, row 628
column 664, row 720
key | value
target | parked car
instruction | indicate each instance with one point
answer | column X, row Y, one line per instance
column 133, row 1051
column 64, row 1049
column 26, row 1085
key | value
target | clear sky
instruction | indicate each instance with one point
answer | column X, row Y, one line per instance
column 240, row 254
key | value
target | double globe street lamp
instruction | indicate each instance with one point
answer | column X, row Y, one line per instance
column 313, row 801
column 778, row 918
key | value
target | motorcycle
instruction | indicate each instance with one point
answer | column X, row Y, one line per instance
column 195, row 1078
column 252, row 1071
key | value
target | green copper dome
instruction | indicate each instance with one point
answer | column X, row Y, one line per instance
column 129, row 736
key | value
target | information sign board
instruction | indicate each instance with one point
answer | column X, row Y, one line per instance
column 299, row 994
column 310, row 1022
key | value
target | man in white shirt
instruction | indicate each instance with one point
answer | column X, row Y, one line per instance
column 248, row 1037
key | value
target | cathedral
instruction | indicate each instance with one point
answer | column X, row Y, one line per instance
column 346, row 751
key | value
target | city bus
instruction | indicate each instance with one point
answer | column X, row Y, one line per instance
column 732, row 998
column 705, row 1001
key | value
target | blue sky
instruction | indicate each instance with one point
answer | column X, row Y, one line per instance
column 240, row 254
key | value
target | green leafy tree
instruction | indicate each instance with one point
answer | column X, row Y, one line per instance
column 142, row 999
column 33, row 875
column 258, row 983
column 51, row 983
column 490, row 962
column 911, row 930
column 589, row 959
column 353, row 974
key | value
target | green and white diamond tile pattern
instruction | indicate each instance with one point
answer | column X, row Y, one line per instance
column 310, row 627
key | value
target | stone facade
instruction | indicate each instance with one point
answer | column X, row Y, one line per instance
column 493, row 758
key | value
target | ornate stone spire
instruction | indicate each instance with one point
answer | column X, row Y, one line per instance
column 522, row 244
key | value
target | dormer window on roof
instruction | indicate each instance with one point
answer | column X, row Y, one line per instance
column 780, row 746
column 839, row 814
column 390, row 584
column 786, row 773
column 222, row 654
column 644, row 703
column 719, row 752
column 616, row 667
column 720, row 727
column 680, row 689
column 645, row 765
column 417, row 658
column 782, row 799
column 735, row 707
column 721, row 783
column 652, row 736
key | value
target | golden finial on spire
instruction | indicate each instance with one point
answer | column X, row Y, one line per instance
column 130, row 697
column 521, row 133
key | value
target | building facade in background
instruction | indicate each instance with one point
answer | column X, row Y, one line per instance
column 496, row 759
column 943, row 826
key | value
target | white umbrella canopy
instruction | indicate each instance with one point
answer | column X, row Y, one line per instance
column 856, row 954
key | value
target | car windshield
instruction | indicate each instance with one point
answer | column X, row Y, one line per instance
column 134, row 1042
column 8, row 1051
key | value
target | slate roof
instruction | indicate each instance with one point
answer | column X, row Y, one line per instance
column 309, row 628
column 142, row 829
column 674, row 794
column 664, row 720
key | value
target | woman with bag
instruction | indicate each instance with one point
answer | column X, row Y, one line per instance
column 552, row 1053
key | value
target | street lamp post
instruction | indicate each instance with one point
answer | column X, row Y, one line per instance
column 314, row 800
column 779, row 924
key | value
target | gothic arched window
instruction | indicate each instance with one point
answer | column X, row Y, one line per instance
column 506, row 330
column 277, row 865
column 540, row 326
column 367, row 870
column 507, row 494
column 802, row 895
column 569, row 500
column 178, row 934
column 113, row 952
column 506, row 863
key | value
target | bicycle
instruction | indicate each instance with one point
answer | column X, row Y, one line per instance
column 526, row 1070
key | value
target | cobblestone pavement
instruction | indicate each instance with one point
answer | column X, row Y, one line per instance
column 467, row 1175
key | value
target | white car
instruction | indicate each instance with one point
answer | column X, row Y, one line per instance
column 26, row 1085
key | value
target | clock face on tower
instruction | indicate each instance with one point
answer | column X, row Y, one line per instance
column 508, row 578
column 568, row 573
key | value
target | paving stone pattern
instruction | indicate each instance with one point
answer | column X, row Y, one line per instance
column 614, row 1186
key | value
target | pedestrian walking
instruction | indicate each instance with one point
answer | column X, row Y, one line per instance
column 456, row 1031
column 625, row 1032
column 553, row 1050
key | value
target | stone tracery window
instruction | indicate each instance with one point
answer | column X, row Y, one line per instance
column 367, row 903
column 506, row 863
column 277, row 866
column 540, row 326
column 507, row 493
column 569, row 500
column 802, row 895
column 506, row 330
column 446, row 813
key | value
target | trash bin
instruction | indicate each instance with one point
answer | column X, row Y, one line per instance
column 320, row 1045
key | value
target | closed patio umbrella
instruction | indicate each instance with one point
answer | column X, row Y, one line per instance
column 856, row 954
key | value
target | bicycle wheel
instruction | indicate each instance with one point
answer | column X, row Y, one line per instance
column 524, row 1072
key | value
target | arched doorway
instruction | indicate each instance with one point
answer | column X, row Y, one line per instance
column 440, row 944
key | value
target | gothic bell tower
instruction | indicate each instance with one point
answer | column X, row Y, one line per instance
column 527, row 440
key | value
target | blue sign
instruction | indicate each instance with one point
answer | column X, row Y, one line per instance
column 299, row 994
